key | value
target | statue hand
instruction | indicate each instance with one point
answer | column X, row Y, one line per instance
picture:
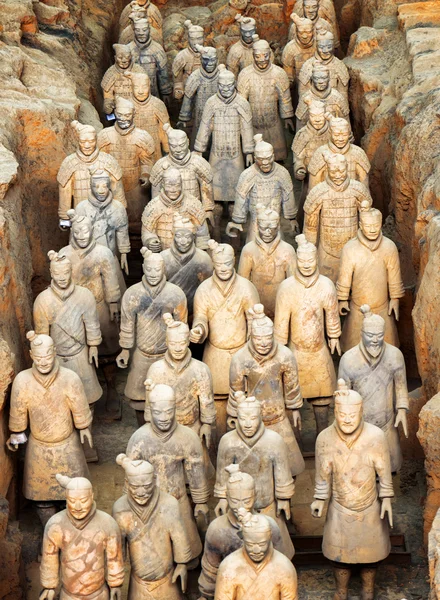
column 154, row 245
column 115, row 593
column 221, row 508
column 167, row 100
column 144, row 180
column 85, row 434
column 294, row 226
column 394, row 306
column 231, row 423
column 47, row 594
column 402, row 420
column 283, row 506
column 181, row 124
column 231, row 226
column 93, row 356
column 344, row 307
column 249, row 160
column 179, row 93
column 196, row 334
column 386, row 508
column 109, row 106
column 124, row 263
column 202, row 509
column 205, row 432
column 123, row 358
column 210, row 217
column 317, row 507
column 182, row 572
column 114, row 311
column 288, row 124
column 334, row 345
column 300, row 174
column 15, row 440
column 296, row 416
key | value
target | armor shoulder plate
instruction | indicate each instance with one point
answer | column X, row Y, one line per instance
column 246, row 181
column 202, row 166
column 306, row 71
column 109, row 78
column 244, row 108
column 66, row 169
column 145, row 141
column 360, row 190
column 360, row 157
column 192, row 83
column 300, row 140
column 342, row 71
column 283, row 176
column 156, row 174
column 314, row 197
column 178, row 62
column 317, row 161
column 111, row 165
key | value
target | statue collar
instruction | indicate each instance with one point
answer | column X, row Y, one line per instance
column 251, row 441
column 143, row 46
column 164, row 436
column 261, row 71
column 182, row 161
column 127, row 70
column 178, row 365
column 62, row 294
column 261, row 358
column 227, row 100
column 337, row 150
column 370, row 244
column 338, row 188
column 82, row 523
column 371, row 360
column 321, row 95
column 224, row 286
column 124, row 131
column 306, row 281
column 47, row 379
column 171, row 203
column 322, row 61
column 207, row 75
column 97, row 203
column 351, row 438
column 261, row 565
column 144, row 512
column 153, row 290
column 141, row 102
column 82, row 251
column 88, row 159
column 314, row 131
column 183, row 259
column 193, row 52
column 233, row 520
column 270, row 247
column 245, row 45
column 302, row 45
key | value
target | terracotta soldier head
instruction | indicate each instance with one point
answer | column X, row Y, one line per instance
column 226, row 82
column 370, row 221
column 142, row 30
column 268, row 222
column 248, row 28
column 223, row 259
column 140, row 84
column 184, row 233
column 124, row 112
column 262, row 333
column 320, row 76
column 123, row 57
column 249, row 418
column 177, row 337
column 373, row 332
column 137, row 12
column 311, row 8
column 306, row 256
column 195, row 34
column 325, row 44
column 317, row 114
column 42, row 352
column 162, row 403
column 82, row 228
column 337, row 168
column 348, row 409
column 172, row 183
column 257, row 535
column 153, row 267
column 178, row 142
column 304, row 29
column 261, row 51
column 208, row 58
column 87, row 137
column 79, row 495
column 139, row 478
column 100, row 185
column 263, row 154
column 340, row 131
column 240, row 491
column 60, row 270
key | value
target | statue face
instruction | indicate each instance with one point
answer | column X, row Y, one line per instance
column 348, row 417
column 179, row 148
column 257, row 544
column 304, row 33
column 163, row 414
column 371, row 225
column 311, row 9
column 154, row 271
column 372, row 335
column 249, row 418
column 43, row 357
column 195, row 39
column 61, row 274
column 265, row 161
column 79, row 503
column 183, row 240
column 240, row 497
column 224, row 266
column 141, row 488
column 100, row 188
column 123, row 59
column 172, row 187
column 321, row 80
column 340, row 135
column 226, row 90
column 337, row 171
column 87, row 143
column 262, row 59
column 263, row 343
column 317, row 119
column 268, row 231
column 141, row 89
column 141, row 31
column 247, row 33
column 325, row 48
column 124, row 117
column 307, row 263
column 209, row 63
column 82, row 233
column 177, row 345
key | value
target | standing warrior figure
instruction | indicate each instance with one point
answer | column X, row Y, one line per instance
column 114, row 83
column 263, row 454
column 152, row 13
column 339, row 143
column 139, row 12
column 267, row 370
column 195, row 170
column 331, row 213
column 158, row 215
column 267, row 183
column 186, row 265
column 176, row 453
column 94, row 267
column 227, row 119
column 142, row 327
column 325, row 54
column 376, row 370
column 188, row 59
column 199, row 87
column 134, row 150
column 152, row 58
column 370, row 269
column 220, row 317
column 267, row 260
column 51, row 401
column 306, row 308
column 299, row 49
column 75, row 170
column 241, row 54
column 320, row 12
column 224, row 534
column 153, row 533
column 266, row 87
column 82, row 548
column 350, row 456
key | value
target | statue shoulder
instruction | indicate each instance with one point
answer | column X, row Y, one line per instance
column 360, row 157
column 314, row 197
column 144, row 140
column 67, row 169
column 202, row 167
column 192, row 83
column 305, row 73
column 341, row 70
column 109, row 78
column 300, row 140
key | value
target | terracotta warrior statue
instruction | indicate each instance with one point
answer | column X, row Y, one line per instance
column 226, row 122
column 137, row 12
column 256, row 571
column 320, row 13
column 158, row 215
column 188, row 59
column 82, row 548
column 267, row 260
column 369, row 273
column 300, row 48
column 306, row 310
column 94, row 267
column 186, row 265
column 377, row 371
column 266, row 87
column 150, row 113
column 49, row 400
column 262, row 453
column 241, row 53
column 152, row 13
column 176, row 453
column 114, row 83
column 153, row 532
column 221, row 303
column 196, row 172
column 134, row 150
column 339, row 143
column 267, row 183
column 320, row 89
column 267, row 370
column 74, row 174
column 353, row 472
column 224, row 534
column 152, row 58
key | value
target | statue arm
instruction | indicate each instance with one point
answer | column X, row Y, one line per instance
column 345, row 277
column 400, row 385
column 18, row 412
column 290, row 206
column 201, row 313
column 195, row 472
column 122, row 237
column 292, row 393
column 78, row 404
column 210, row 563
column 114, row 558
column 311, row 223
column 285, row 98
column 163, row 77
column 205, row 130
column 109, row 99
column 50, row 559
column 128, row 321
column 207, row 194
column 65, row 199
column 91, row 322
column 237, row 383
column 245, row 264
column 110, row 283
column 395, row 283
column 289, row 586
column 284, row 484
column 282, row 316
column 323, row 472
column 180, row 311
column 118, row 191
column 225, row 587
column 241, row 204
column 206, row 397
column 382, row 463
column 186, row 109
column 332, row 319
column 288, row 62
column 221, row 475
column 41, row 322
column 233, row 61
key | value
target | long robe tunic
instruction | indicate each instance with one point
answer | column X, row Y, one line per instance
column 382, row 384
column 307, row 308
column 268, row 93
column 71, row 319
column 222, row 538
column 176, row 455
column 273, row 380
column 85, row 555
column 220, row 308
column 95, row 268
column 339, row 76
column 228, row 123
column 265, row 457
column 371, row 271
column 150, row 116
column 266, row 266
column 239, row 578
column 156, row 541
column 53, row 406
column 346, row 472
column 357, row 163
column 142, row 327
